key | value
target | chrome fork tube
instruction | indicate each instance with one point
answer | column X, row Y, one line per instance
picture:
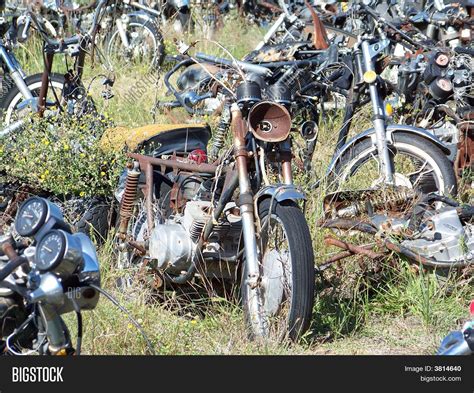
column 273, row 29
column 16, row 72
column 378, row 120
column 122, row 33
column 239, row 129
column 54, row 328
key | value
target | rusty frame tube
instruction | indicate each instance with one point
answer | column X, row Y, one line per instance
column 200, row 168
column 351, row 247
column 48, row 66
column 147, row 163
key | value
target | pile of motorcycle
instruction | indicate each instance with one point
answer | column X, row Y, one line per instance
column 230, row 210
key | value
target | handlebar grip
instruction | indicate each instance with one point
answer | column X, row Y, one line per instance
column 466, row 51
column 213, row 59
column 74, row 40
column 11, row 266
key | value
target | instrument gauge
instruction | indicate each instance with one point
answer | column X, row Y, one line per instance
column 31, row 216
column 50, row 250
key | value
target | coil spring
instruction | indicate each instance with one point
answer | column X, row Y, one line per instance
column 393, row 199
column 221, row 132
column 129, row 196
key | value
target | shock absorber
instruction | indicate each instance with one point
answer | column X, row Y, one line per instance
column 129, row 196
column 221, row 132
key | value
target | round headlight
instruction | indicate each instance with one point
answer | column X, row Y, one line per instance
column 269, row 121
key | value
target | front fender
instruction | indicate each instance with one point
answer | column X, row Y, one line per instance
column 142, row 15
column 391, row 129
column 279, row 192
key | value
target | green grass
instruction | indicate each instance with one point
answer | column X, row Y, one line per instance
column 362, row 307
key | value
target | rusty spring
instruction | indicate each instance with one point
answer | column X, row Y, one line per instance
column 128, row 198
column 391, row 199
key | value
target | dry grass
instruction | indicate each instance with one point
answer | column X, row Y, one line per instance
column 400, row 312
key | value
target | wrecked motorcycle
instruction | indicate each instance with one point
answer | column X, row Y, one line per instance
column 236, row 219
column 429, row 229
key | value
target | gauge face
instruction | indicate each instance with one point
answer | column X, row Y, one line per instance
column 31, row 216
column 50, row 250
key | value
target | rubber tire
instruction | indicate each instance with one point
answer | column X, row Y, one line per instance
column 6, row 100
column 96, row 221
column 153, row 28
column 445, row 166
column 301, row 250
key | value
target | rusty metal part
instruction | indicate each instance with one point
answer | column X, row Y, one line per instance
column 286, row 171
column 286, row 156
column 7, row 247
column 140, row 247
column 9, row 213
column 337, row 257
column 354, row 203
column 465, row 156
column 128, row 198
column 48, row 65
column 320, row 38
column 351, row 247
column 269, row 121
column 175, row 164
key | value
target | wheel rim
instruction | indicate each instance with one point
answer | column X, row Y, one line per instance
column 12, row 113
column 275, row 292
column 413, row 167
column 143, row 45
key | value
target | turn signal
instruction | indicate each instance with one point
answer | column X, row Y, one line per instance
column 370, row 76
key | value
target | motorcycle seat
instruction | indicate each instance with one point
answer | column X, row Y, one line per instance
column 158, row 139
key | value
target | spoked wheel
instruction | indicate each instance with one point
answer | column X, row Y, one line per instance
column 280, row 306
column 417, row 162
column 10, row 105
column 145, row 44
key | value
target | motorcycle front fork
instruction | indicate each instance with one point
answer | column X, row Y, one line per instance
column 247, row 212
column 386, row 169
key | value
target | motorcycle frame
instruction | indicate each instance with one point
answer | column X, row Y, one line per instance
column 237, row 176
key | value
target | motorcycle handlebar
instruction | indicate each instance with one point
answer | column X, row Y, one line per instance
column 11, row 266
column 248, row 67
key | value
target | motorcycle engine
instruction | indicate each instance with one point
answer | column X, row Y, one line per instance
column 443, row 237
column 173, row 243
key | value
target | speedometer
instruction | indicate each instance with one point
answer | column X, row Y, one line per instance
column 31, row 216
column 59, row 252
column 50, row 250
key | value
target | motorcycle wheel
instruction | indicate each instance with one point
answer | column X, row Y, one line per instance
column 280, row 307
column 418, row 164
column 9, row 102
column 96, row 220
column 146, row 44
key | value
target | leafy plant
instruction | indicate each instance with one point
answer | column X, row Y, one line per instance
column 63, row 155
